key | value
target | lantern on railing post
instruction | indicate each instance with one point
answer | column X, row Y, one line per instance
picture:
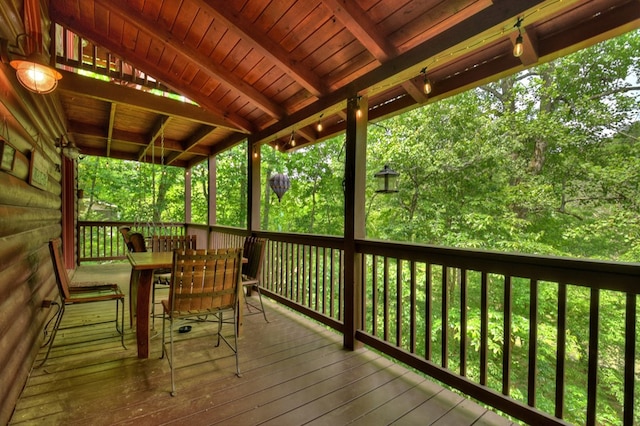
column 279, row 183
column 387, row 180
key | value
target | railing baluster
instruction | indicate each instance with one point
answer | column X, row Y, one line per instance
column 413, row 308
column 561, row 350
column 324, row 280
column 506, row 337
column 374, row 295
column 533, row 342
column 305, row 266
column 399, row 306
column 341, row 285
column 463, row 322
column 629, row 359
column 592, row 378
column 445, row 318
column 484, row 327
column 332, row 254
column 428, row 315
column 385, row 299
column 316, row 279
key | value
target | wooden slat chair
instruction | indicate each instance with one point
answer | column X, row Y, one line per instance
column 125, row 231
column 167, row 243
column 253, row 250
column 79, row 293
column 203, row 283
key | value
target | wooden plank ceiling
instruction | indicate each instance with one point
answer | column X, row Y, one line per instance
column 273, row 68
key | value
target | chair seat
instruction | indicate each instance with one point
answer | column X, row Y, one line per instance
column 96, row 293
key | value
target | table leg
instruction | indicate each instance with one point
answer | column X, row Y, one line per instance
column 142, row 312
column 133, row 295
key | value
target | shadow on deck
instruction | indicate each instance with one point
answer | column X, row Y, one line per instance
column 294, row 372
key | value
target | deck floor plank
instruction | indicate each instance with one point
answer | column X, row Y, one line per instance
column 294, row 371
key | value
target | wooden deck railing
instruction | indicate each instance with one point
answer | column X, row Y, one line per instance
column 101, row 241
column 501, row 328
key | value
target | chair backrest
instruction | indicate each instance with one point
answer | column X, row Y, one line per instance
column 124, row 230
column 136, row 240
column 60, row 270
column 205, row 280
column 173, row 242
column 254, row 252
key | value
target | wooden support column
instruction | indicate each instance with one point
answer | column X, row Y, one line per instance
column 354, row 209
column 254, row 186
column 187, row 195
column 69, row 212
column 211, row 202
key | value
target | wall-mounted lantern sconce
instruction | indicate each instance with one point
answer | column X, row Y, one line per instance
column 387, row 180
column 32, row 67
column 68, row 148
column 35, row 75
column 71, row 151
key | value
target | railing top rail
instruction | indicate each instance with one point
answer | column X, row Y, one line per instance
column 617, row 276
column 305, row 239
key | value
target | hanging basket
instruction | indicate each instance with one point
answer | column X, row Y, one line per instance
column 279, row 183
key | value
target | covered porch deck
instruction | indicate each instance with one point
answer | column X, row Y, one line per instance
column 295, row 371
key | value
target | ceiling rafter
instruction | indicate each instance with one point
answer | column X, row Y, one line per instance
column 267, row 47
column 376, row 51
column 78, row 85
column 362, row 28
column 410, row 61
column 156, row 132
column 192, row 141
column 203, row 62
column 226, row 119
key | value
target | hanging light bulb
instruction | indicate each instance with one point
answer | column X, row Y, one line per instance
column 518, row 47
column 426, row 82
column 358, row 109
column 292, row 141
column 319, row 124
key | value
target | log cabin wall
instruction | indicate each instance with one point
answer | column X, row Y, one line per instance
column 30, row 213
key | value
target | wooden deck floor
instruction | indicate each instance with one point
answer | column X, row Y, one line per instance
column 294, row 372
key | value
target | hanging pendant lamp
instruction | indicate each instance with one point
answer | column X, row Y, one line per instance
column 279, row 183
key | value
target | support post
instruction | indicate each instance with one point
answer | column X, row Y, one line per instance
column 354, row 206
column 211, row 202
column 187, row 195
column 253, row 183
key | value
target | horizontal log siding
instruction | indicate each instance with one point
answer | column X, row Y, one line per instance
column 29, row 218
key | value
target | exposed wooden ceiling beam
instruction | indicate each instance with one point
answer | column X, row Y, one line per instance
column 194, row 139
column 362, row 28
column 406, row 65
column 215, row 115
column 134, row 139
column 264, row 45
column 117, row 94
column 157, row 132
column 189, row 54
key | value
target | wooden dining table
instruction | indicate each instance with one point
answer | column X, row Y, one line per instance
column 142, row 266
